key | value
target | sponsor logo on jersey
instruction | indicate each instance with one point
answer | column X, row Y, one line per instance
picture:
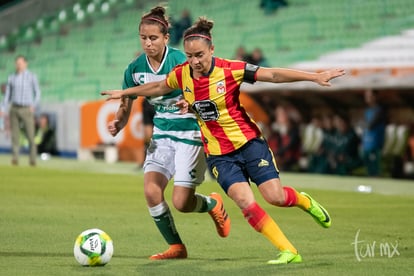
column 207, row 110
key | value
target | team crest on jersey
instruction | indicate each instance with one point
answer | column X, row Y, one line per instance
column 221, row 87
column 187, row 89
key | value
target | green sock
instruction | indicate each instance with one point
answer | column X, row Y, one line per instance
column 166, row 225
column 204, row 203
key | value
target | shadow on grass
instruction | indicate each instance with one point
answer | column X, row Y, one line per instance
column 227, row 267
column 58, row 255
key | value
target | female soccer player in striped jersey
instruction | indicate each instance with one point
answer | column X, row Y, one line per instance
column 176, row 149
column 236, row 151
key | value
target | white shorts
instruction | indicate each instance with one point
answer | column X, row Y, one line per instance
column 186, row 163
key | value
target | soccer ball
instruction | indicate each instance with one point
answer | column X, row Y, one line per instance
column 93, row 247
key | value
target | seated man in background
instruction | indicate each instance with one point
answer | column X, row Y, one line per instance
column 45, row 137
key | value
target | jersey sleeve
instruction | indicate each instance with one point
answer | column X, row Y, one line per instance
column 243, row 72
column 172, row 80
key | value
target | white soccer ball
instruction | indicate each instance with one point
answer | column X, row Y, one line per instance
column 93, row 247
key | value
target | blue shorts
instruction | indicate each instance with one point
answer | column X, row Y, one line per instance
column 253, row 161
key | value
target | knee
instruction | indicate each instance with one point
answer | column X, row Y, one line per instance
column 153, row 199
column 277, row 199
column 182, row 204
column 153, row 195
column 277, row 202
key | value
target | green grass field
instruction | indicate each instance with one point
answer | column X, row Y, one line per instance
column 43, row 209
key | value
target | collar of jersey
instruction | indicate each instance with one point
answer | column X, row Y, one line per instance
column 213, row 63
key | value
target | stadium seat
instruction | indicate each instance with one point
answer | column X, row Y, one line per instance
column 100, row 51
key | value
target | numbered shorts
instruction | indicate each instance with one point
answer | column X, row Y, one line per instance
column 186, row 163
column 254, row 161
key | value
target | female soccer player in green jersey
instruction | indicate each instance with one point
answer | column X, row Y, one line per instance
column 236, row 151
column 176, row 149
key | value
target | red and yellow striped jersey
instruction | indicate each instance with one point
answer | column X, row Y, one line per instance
column 225, row 124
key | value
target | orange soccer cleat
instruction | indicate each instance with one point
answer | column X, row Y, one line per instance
column 176, row 251
column 220, row 216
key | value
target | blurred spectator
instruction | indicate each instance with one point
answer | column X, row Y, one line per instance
column 271, row 6
column 345, row 157
column 256, row 57
column 21, row 99
column 319, row 162
column 374, row 132
column 411, row 144
column 45, row 137
column 285, row 140
column 2, row 117
column 178, row 27
column 409, row 162
column 312, row 136
column 240, row 54
column 399, row 150
column 3, row 113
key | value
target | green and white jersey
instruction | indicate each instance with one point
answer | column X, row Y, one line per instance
column 168, row 122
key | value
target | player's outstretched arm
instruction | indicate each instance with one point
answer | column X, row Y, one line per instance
column 149, row 89
column 290, row 75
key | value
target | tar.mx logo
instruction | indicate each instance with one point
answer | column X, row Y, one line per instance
column 366, row 249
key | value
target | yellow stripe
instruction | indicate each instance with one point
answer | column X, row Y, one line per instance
column 238, row 75
column 220, row 101
column 273, row 157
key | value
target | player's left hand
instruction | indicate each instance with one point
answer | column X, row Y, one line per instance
column 112, row 94
column 325, row 76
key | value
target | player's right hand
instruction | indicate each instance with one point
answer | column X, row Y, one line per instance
column 112, row 94
column 113, row 127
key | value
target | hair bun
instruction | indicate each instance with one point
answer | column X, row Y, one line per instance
column 158, row 11
column 203, row 24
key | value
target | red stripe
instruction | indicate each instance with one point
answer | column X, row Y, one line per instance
column 178, row 75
